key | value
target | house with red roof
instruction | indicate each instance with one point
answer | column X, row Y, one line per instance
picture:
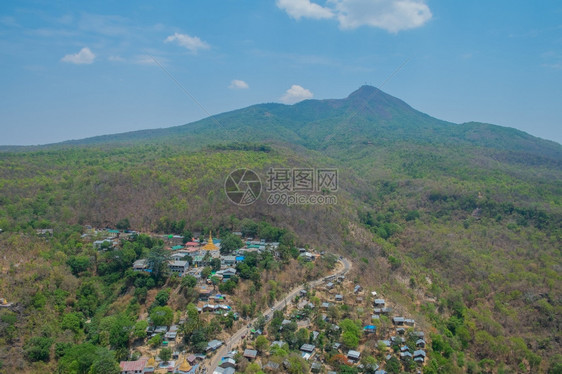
column 133, row 367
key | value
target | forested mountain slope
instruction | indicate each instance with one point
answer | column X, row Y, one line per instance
column 459, row 223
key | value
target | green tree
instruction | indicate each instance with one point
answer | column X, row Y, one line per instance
column 351, row 332
column 61, row 348
column 105, row 364
column 260, row 322
column 87, row 358
column 288, row 239
column 394, row 262
column 206, row 272
column 139, row 331
column 412, row 215
column 216, row 264
column 165, row 354
column 297, row 365
column 118, row 327
column 198, row 340
column 162, row 316
column 288, row 334
column 555, row 365
column 187, row 236
column 38, row 348
column 72, row 322
column 215, row 281
column 228, row 286
column 278, row 351
column 78, row 264
column 302, row 336
column 228, row 320
column 370, row 363
column 261, row 343
column 39, row 300
column 230, row 244
column 88, row 297
column 193, row 322
column 253, row 368
column 393, row 366
column 350, row 325
column 248, row 228
column 123, row 224
column 155, row 341
column 188, row 281
column 350, row 339
column 162, row 297
column 157, row 259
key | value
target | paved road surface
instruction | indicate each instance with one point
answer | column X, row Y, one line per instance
column 237, row 336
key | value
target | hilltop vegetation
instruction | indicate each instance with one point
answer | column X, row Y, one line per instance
column 460, row 224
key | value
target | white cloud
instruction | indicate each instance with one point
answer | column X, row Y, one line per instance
column 144, row 60
column 389, row 15
column 9, row 21
column 552, row 60
column 552, row 66
column 295, row 94
column 53, row 33
column 238, row 84
column 108, row 25
column 85, row 56
column 304, row 8
column 192, row 43
column 116, row 59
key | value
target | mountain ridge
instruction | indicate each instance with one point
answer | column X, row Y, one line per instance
column 367, row 115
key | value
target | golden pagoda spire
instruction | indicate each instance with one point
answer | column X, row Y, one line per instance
column 151, row 362
column 185, row 366
column 210, row 246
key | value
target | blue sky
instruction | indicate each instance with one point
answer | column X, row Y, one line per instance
column 85, row 69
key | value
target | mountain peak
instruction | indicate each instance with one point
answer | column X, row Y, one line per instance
column 376, row 102
column 364, row 92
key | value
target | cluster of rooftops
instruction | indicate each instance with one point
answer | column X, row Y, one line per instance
column 200, row 251
column 380, row 307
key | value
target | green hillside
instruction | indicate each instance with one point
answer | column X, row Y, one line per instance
column 460, row 224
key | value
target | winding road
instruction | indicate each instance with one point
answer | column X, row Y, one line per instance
column 237, row 336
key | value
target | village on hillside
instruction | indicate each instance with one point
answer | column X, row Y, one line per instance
column 331, row 325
